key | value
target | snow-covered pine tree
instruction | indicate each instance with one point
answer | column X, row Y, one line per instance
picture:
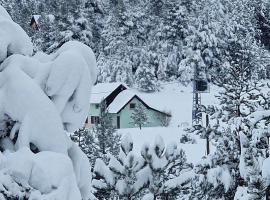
column 120, row 178
column 145, row 78
column 164, row 174
column 177, row 169
column 103, row 181
column 262, row 22
column 108, row 141
column 202, row 43
column 238, row 98
column 250, row 169
column 139, row 116
column 126, row 168
column 242, row 98
column 87, row 142
column 78, row 26
column 167, row 177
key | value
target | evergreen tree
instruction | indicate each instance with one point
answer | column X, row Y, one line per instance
column 145, row 75
column 126, row 168
column 103, row 181
column 87, row 142
column 139, row 115
column 167, row 175
column 107, row 140
column 238, row 99
column 120, row 177
column 177, row 168
column 250, row 169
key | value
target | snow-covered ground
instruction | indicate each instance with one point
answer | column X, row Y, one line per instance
column 177, row 99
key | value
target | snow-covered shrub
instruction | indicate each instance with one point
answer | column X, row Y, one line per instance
column 186, row 138
column 165, row 121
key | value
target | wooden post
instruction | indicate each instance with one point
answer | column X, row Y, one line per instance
column 207, row 137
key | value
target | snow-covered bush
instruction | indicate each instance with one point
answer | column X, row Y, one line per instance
column 187, row 139
column 41, row 98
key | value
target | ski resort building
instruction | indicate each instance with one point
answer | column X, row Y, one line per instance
column 121, row 103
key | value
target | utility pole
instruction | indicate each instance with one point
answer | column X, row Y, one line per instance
column 200, row 85
column 197, row 101
column 196, row 109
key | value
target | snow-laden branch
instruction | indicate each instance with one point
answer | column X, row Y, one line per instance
column 180, row 180
column 257, row 116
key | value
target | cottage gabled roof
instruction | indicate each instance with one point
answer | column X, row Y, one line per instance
column 36, row 18
column 125, row 97
column 102, row 90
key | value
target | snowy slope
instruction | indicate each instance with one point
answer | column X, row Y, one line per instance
column 177, row 99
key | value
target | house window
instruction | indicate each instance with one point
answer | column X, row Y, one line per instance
column 132, row 105
column 97, row 106
column 95, row 120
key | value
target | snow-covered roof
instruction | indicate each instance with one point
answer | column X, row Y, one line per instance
column 124, row 97
column 101, row 90
column 36, row 17
column 50, row 17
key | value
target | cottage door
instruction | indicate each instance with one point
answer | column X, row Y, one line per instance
column 118, row 122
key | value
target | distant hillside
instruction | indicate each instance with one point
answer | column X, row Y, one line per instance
column 144, row 42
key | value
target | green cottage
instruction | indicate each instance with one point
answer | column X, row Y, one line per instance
column 123, row 104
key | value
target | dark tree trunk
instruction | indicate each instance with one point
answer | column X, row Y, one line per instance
column 207, row 137
column 207, row 146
